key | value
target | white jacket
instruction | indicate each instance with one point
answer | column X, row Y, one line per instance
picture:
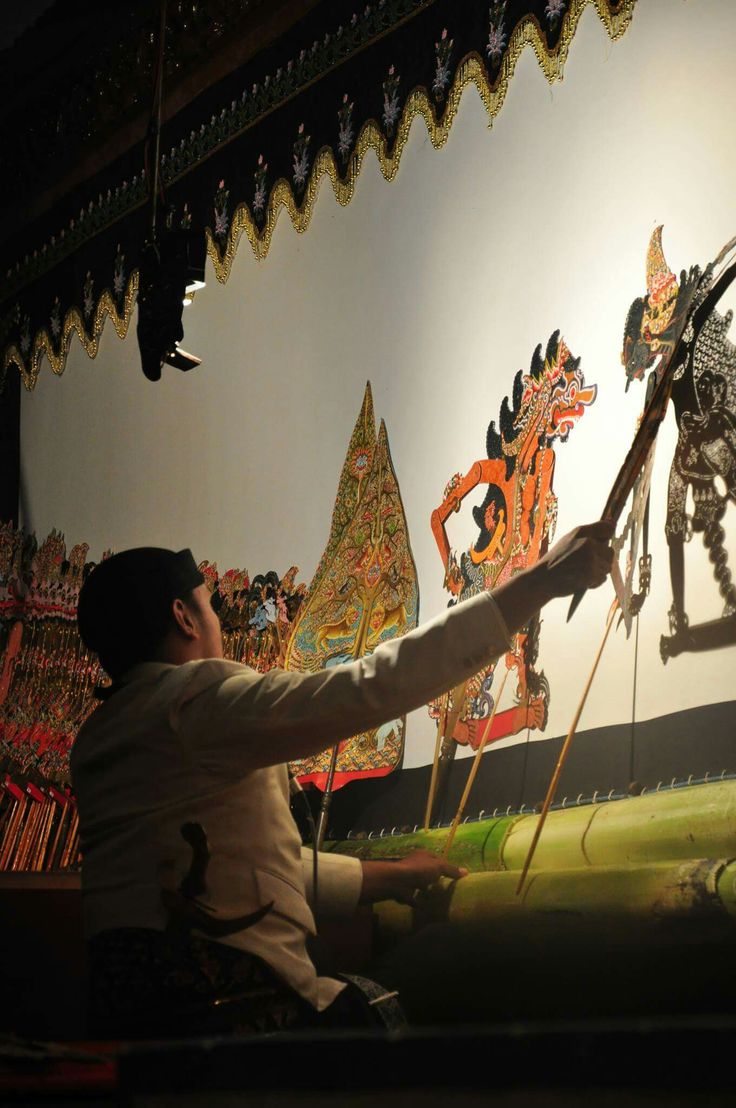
column 207, row 742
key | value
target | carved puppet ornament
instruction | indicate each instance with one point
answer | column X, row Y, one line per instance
column 364, row 592
column 702, row 479
column 516, row 522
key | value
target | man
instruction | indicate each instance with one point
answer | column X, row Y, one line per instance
column 196, row 896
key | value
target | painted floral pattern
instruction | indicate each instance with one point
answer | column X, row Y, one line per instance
column 360, row 462
column 442, row 71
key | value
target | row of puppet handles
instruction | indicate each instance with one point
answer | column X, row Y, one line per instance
column 39, row 827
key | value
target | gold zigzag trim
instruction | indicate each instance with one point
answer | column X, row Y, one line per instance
column 471, row 71
column 73, row 322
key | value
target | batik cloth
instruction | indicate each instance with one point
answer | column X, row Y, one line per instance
column 152, row 984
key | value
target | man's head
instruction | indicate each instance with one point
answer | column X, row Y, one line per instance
column 147, row 605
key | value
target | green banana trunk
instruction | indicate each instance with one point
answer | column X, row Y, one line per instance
column 698, row 821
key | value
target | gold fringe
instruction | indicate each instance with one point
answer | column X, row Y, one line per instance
column 471, row 71
column 73, row 322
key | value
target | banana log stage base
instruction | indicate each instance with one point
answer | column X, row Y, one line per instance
column 630, row 908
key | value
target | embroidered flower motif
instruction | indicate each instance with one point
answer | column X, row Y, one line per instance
column 118, row 276
column 56, row 319
column 88, row 301
column 391, row 101
column 301, row 158
column 554, row 11
column 496, row 33
column 346, row 133
column 443, row 50
column 222, row 219
column 259, row 196
column 25, row 335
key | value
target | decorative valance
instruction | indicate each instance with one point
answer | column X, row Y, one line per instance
column 344, row 81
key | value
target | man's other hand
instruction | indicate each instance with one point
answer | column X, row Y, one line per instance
column 402, row 879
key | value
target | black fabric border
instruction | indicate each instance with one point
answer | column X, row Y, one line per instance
column 215, row 139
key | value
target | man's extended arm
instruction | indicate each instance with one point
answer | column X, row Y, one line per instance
column 249, row 720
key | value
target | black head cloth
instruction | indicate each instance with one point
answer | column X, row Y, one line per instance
column 125, row 603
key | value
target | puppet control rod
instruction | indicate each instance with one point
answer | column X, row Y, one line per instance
column 474, row 768
column 445, row 727
column 552, row 789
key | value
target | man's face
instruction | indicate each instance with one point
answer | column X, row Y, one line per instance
column 210, row 632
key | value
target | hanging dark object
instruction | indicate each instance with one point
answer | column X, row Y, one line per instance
column 168, row 271
column 165, row 277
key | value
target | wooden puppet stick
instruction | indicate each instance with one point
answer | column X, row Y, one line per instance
column 67, row 858
column 45, row 834
column 441, row 724
column 25, row 837
column 474, row 769
column 11, row 829
column 64, row 805
column 449, row 722
column 565, row 750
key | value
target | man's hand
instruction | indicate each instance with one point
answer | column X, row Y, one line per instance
column 401, row 880
column 580, row 560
